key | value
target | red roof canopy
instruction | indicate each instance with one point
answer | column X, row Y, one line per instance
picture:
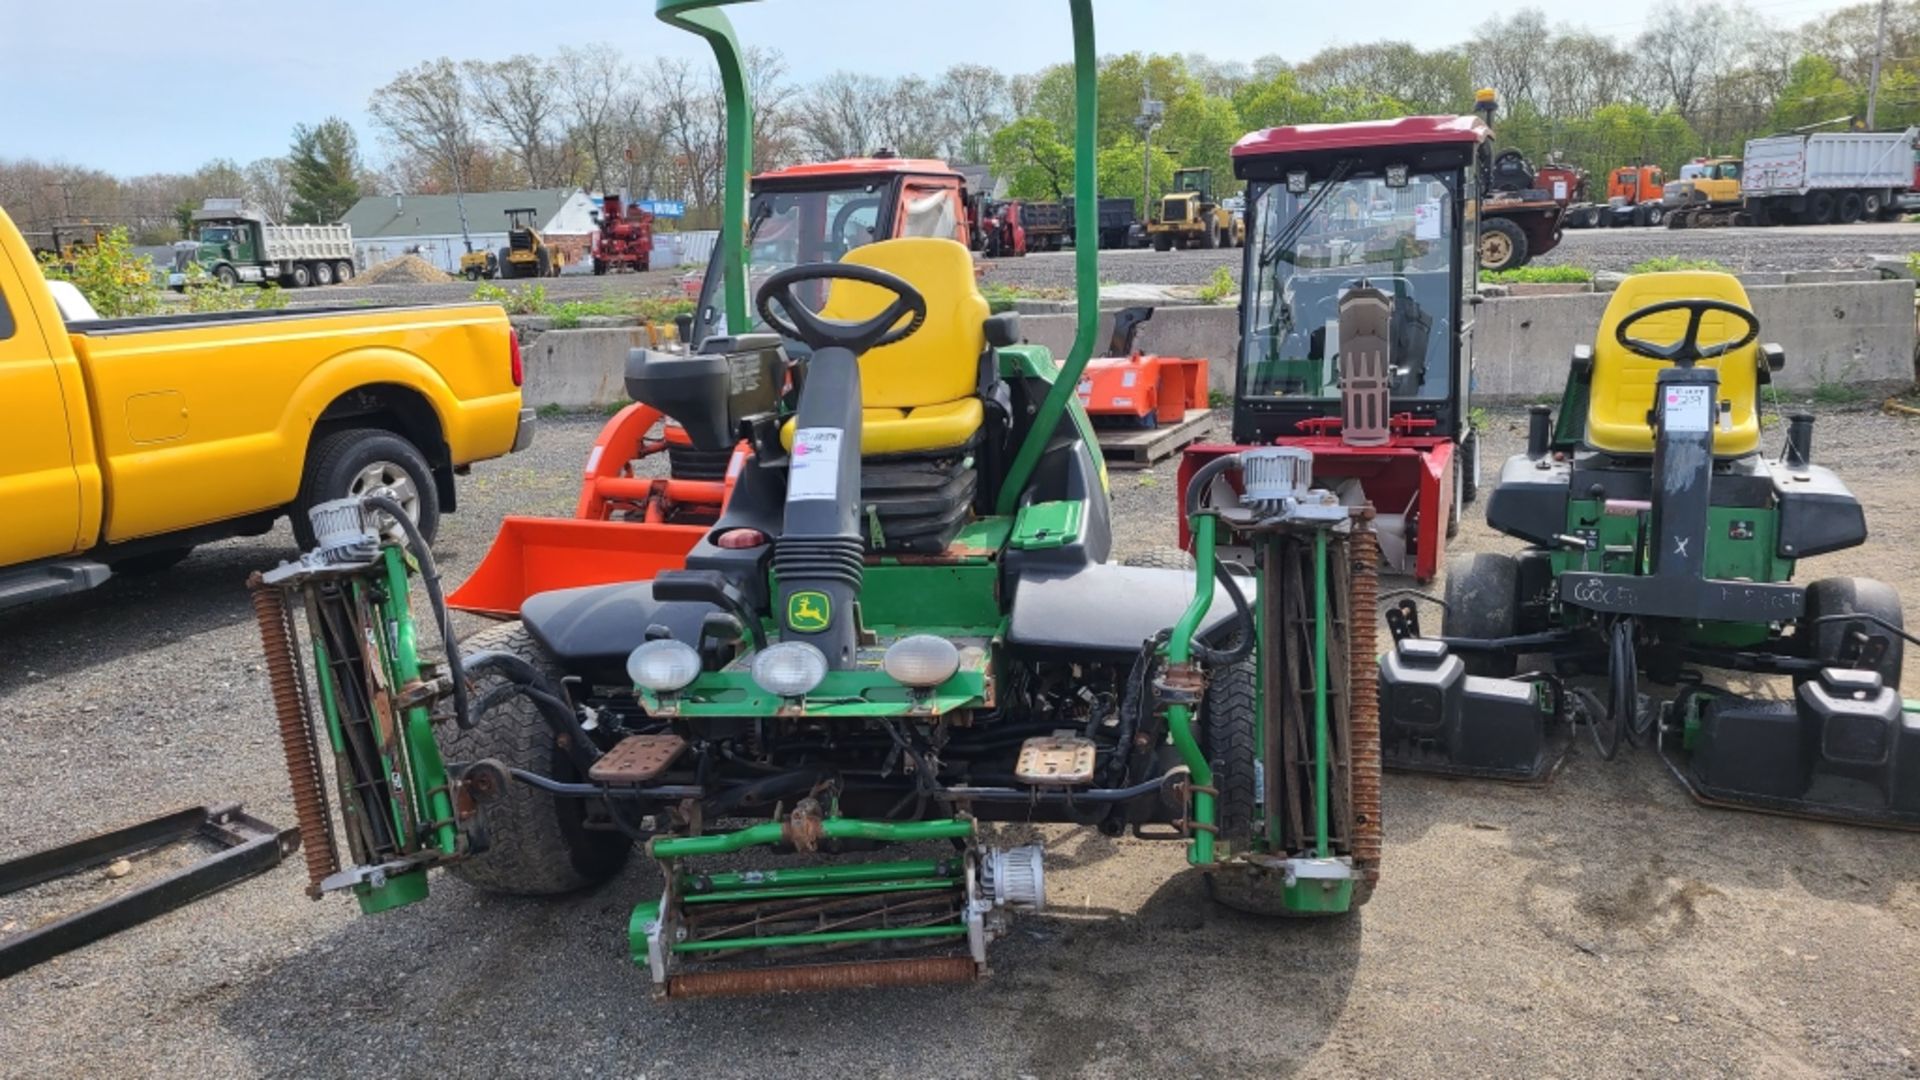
column 862, row 166
column 1362, row 135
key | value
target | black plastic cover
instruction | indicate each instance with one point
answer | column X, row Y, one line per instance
column 591, row 630
column 1109, row 609
column 1530, row 501
column 1817, row 513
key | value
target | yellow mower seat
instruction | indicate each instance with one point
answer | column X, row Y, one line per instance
column 1623, row 384
column 921, row 394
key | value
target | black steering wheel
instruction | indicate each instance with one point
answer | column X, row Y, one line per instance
column 805, row 325
column 1688, row 349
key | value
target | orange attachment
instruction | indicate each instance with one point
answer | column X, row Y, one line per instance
column 1145, row 385
column 533, row 555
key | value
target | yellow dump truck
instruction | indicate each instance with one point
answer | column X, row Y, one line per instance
column 128, row 441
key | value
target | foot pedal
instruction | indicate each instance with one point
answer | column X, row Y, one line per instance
column 1061, row 759
column 637, row 759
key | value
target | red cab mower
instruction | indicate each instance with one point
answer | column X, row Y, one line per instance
column 1355, row 333
column 622, row 237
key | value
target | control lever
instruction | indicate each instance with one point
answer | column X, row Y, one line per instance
column 709, row 587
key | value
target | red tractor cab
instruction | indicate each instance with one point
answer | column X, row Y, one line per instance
column 1356, row 322
column 622, row 236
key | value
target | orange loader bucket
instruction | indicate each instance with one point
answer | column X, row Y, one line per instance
column 533, row 555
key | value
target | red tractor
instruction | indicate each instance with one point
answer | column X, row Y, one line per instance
column 623, row 239
column 1359, row 277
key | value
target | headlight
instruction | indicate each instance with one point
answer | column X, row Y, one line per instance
column 663, row 665
column 921, row 661
column 789, row 669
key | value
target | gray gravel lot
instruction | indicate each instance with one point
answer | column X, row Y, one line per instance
column 1789, row 248
column 1601, row 926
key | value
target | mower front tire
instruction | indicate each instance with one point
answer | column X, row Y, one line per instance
column 1482, row 597
column 1854, row 596
column 1160, row 558
column 1229, row 732
column 537, row 845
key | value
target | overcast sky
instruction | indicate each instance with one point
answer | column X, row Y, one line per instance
column 136, row 86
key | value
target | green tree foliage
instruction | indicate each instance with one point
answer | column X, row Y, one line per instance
column 114, row 280
column 325, row 162
column 1033, row 159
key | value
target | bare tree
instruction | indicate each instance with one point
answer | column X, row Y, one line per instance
column 1687, row 48
column 694, row 145
column 1510, row 55
column 425, row 110
column 269, row 186
column 843, row 114
column 976, row 101
column 516, row 99
column 594, row 81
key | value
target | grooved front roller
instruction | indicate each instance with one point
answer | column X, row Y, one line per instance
column 1363, row 721
column 296, row 734
column 855, row 976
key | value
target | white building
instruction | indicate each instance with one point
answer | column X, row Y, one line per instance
column 389, row 226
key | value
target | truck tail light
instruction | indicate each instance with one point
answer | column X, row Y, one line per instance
column 519, row 369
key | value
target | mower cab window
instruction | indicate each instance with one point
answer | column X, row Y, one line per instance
column 929, row 212
column 1318, row 246
column 788, row 228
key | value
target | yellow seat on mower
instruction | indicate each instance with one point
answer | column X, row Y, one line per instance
column 1621, row 396
column 922, row 394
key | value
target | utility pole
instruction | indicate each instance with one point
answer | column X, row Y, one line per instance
column 1150, row 113
column 1879, row 47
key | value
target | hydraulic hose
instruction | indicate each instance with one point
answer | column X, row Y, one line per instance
column 430, row 577
column 1196, row 492
column 550, row 700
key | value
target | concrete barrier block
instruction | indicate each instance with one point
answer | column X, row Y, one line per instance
column 579, row 369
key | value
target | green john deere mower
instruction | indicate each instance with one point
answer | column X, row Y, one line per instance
column 1662, row 542
column 903, row 626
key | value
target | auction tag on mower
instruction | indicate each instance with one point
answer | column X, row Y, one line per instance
column 1689, row 408
column 814, row 472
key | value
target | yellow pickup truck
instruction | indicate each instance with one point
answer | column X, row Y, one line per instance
column 125, row 442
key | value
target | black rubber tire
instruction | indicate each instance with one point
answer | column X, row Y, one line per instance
column 1229, row 733
column 1656, row 214
column 1851, row 207
column 1819, row 208
column 1850, row 595
column 536, row 843
column 151, row 562
column 323, row 273
column 300, row 277
column 225, row 275
column 1482, row 596
column 334, row 461
column 1163, row 241
column 1160, row 558
column 506, row 262
column 542, row 263
column 599, row 267
column 343, row 272
column 1516, row 238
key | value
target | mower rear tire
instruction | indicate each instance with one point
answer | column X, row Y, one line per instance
column 1160, row 558
column 1503, row 245
column 1482, row 595
column 1849, row 596
column 538, row 845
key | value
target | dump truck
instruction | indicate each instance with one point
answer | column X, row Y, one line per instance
column 130, row 441
column 1634, row 195
column 1800, row 178
column 236, row 244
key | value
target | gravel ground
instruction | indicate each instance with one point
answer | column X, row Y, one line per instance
column 1602, row 925
column 1790, row 248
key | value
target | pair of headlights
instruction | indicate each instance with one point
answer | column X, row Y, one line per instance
column 793, row 668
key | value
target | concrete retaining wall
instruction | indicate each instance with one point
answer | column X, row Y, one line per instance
column 1854, row 332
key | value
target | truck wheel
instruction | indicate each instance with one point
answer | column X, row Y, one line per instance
column 543, row 263
column 300, row 277
column 1163, row 241
column 506, row 262
column 1850, row 596
column 1503, row 245
column 322, row 273
column 359, row 461
column 225, row 276
column 537, row 845
column 1819, row 209
column 1851, row 207
column 1656, row 214
column 343, row 272
column 1483, row 602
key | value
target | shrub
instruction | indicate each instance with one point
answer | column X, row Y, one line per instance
column 1666, row 263
column 1537, row 275
column 114, row 280
column 1218, row 287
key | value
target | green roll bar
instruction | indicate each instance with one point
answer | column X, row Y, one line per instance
column 704, row 18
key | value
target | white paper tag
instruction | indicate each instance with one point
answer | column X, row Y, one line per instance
column 1689, row 408
column 1559, row 191
column 1127, row 379
column 814, row 470
column 1426, row 221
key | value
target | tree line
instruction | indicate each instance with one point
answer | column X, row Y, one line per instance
column 1695, row 79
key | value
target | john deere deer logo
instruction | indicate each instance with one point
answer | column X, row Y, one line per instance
column 808, row 612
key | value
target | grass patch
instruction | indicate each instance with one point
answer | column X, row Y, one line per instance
column 1537, row 275
column 1478, row 418
column 550, row 411
column 1666, row 263
column 1913, row 264
column 1219, row 399
column 1837, row 393
column 567, row 314
column 1001, row 297
column 1218, row 287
